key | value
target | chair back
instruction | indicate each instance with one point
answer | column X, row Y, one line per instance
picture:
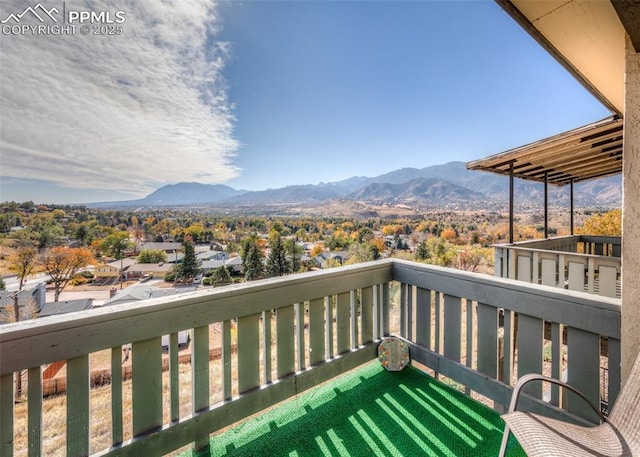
column 626, row 412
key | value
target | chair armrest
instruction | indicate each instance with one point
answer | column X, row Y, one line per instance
column 538, row 377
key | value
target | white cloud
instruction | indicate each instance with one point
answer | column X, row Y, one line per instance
column 124, row 112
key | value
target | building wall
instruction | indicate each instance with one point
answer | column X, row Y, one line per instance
column 631, row 214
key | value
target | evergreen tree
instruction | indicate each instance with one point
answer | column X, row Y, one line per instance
column 190, row 265
column 252, row 257
column 277, row 263
column 294, row 253
column 422, row 251
column 221, row 277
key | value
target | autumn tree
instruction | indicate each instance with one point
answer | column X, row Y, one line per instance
column 152, row 256
column 605, row 224
column 23, row 262
column 62, row 263
column 422, row 251
column 116, row 243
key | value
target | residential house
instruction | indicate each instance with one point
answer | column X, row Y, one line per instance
column 64, row 307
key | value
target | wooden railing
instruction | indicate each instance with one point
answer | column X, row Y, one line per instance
column 583, row 263
column 279, row 337
column 484, row 332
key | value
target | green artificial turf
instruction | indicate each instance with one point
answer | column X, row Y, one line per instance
column 370, row 412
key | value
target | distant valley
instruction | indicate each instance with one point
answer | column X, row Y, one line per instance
column 449, row 185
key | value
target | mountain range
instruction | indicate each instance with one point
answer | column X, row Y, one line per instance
column 448, row 185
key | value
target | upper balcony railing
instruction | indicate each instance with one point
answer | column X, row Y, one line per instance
column 278, row 337
column 580, row 262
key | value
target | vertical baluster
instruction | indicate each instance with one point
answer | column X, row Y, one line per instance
column 423, row 317
column 507, row 347
column 353, row 309
column 328, row 327
column 343, row 321
column 524, row 268
column 549, row 275
column 385, row 306
column 174, row 377
column 226, row 360
column 488, row 340
column 403, row 309
column 556, row 361
column 266, row 345
column 452, row 323
column 437, row 325
column 608, row 277
column 591, row 276
column 147, row 385
column 576, row 276
column 116, row 394
column 6, row 415
column 35, row 411
column 285, row 340
column 470, row 333
column 300, row 347
column 200, row 377
column 410, row 311
column 78, row 406
column 530, row 339
column 248, row 352
column 316, row 331
column 583, row 370
column 615, row 374
column 377, row 312
column 367, row 315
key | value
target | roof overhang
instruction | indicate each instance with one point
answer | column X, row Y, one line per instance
column 589, row 152
column 587, row 37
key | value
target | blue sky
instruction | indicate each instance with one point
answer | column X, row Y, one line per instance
column 264, row 94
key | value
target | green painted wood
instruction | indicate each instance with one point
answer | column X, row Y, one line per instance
column 328, row 327
column 354, row 311
column 285, row 337
column 576, row 276
column 225, row 359
column 507, row 348
column 6, row 415
column 248, row 353
column 300, row 336
column 267, row 344
column 316, row 331
column 423, row 317
column 608, row 278
column 174, row 378
column 343, row 322
column 200, row 379
column 530, row 343
column 524, row 268
column 488, row 340
column 116, row 395
column 245, row 405
column 367, row 314
column 146, row 387
column 78, row 406
column 615, row 371
column 386, row 306
column 56, row 338
column 452, row 327
column 556, row 361
column 548, row 277
column 35, row 411
column 583, row 364
column 471, row 333
column 437, row 324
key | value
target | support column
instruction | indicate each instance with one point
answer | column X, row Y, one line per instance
column 571, row 222
column 631, row 213
column 546, row 204
column 511, row 240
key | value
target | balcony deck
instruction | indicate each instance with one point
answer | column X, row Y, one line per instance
column 579, row 262
column 279, row 338
column 370, row 412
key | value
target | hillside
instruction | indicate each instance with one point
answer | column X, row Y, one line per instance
column 438, row 185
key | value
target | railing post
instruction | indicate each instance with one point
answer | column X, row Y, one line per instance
column 6, row 415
